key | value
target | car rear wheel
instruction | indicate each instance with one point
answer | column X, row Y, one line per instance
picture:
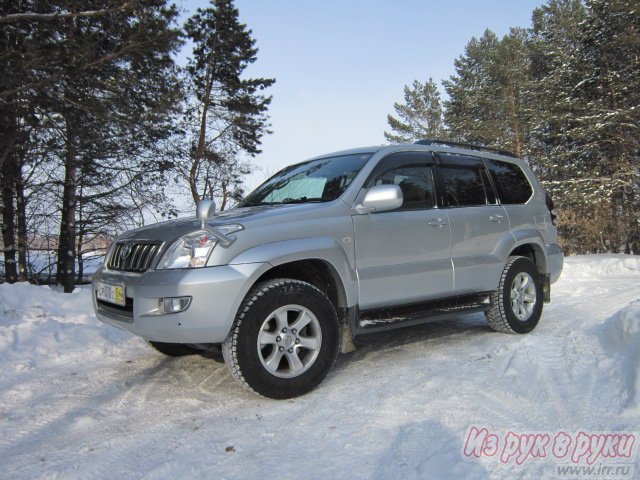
column 284, row 340
column 517, row 302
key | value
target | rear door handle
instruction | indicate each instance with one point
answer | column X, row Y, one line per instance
column 496, row 218
column 437, row 222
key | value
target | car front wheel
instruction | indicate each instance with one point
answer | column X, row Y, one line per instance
column 284, row 339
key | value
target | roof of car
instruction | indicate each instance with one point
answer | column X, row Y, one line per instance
column 436, row 147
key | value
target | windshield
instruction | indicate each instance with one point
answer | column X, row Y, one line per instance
column 319, row 180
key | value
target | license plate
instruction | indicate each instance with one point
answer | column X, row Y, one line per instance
column 111, row 293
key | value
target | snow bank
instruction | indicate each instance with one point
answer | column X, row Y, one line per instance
column 38, row 323
column 595, row 266
column 620, row 336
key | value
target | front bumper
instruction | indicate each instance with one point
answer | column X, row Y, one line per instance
column 216, row 296
column 555, row 260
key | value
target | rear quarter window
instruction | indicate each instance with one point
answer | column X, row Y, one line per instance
column 510, row 181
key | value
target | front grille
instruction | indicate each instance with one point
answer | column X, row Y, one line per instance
column 133, row 256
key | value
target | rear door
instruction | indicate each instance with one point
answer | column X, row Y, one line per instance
column 476, row 219
column 402, row 256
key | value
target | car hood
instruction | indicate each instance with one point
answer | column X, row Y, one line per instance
column 172, row 229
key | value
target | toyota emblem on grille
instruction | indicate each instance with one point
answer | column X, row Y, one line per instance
column 126, row 250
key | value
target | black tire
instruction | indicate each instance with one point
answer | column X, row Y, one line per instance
column 245, row 360
column 501, row 315
column 174, row 349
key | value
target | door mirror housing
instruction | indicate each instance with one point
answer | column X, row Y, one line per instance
column 381, row 198
column 205, row 210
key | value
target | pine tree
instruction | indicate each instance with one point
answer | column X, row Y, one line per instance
column 100, row 81
column 608, row 127
column 420, row 116
column 14, row 108
column 108, row 126
column 555, row 46
column 585, row 64
column 470, row 114
column 486, row 95
column 230, row 114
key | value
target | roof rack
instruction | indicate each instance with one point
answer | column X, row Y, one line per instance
column 431, row 141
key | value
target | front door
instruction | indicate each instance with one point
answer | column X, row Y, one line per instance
column 402, row 256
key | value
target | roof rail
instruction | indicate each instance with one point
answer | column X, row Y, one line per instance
column 431, row 141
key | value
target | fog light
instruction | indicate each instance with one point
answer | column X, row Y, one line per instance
column 175, row 304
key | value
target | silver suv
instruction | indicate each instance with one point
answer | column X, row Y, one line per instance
column 341, row 245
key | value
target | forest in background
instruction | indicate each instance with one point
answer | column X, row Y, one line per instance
column 564, row 95
column 100, row 127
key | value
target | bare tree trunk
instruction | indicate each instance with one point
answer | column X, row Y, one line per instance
column 225, row 196
column 202, row 138
column 22, row 228
column 8, row 218
column 67, row 243
column 618, row 223
column 8, row 168
column 622, row 163
column 8, row 145
column 80, row 255
column 8, row 107
column 80, row 233
column 80, row 262
column 515, row 121
column 630, row 199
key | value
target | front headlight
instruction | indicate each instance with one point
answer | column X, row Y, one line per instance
column 193, row 250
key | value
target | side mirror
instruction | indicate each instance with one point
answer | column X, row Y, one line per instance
column 380, row 198
column 205, row 210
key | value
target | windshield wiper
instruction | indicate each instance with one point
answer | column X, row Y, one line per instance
column 289, row 201
column 301, row 200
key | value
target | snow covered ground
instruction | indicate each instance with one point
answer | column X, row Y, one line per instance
column 79, row 399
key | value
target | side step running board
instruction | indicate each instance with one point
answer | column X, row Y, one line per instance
column 382, row 319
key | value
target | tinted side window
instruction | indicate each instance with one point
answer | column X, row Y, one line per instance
column 416, row 183
column 463, row 186
column 511, row 182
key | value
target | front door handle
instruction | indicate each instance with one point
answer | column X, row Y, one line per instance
column 496, row 218
column 437, row 222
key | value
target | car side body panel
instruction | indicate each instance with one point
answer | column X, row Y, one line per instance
column 401, row 259
column 475, row 232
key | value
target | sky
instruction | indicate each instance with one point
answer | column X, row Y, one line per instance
column 340, row 65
